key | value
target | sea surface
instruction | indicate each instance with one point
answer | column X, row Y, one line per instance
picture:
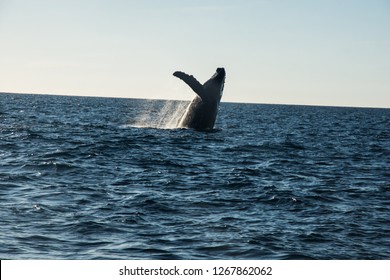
column 105, row 178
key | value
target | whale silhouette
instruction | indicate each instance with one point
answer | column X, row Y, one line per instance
column 201, row 113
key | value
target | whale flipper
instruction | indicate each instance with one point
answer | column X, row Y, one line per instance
column 192, row 82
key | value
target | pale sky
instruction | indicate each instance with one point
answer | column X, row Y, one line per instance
column 333, row 52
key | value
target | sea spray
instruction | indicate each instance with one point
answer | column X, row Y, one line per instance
column 160, row 114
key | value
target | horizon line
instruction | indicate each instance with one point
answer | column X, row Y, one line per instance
column 184, row 100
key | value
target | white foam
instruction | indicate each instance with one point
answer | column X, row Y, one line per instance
column 167, row 116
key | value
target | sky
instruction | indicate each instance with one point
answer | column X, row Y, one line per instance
column 310, row 52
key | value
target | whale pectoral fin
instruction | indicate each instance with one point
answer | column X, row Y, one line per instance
column 192, row 82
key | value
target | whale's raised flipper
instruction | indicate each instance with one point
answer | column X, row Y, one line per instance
column 192, row 82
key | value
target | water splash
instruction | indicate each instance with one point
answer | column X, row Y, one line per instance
column 160, row 114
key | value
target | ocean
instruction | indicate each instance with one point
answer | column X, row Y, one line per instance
column 110, row 178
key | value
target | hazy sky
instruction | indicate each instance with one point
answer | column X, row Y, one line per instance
column 333, row 52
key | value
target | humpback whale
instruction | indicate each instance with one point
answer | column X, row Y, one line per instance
column 201, row 113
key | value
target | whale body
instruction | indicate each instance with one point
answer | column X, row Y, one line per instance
column 201, row 113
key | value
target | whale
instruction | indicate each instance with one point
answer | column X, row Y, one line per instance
column 202, row 111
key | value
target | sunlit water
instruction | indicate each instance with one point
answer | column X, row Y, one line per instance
column 99, row 178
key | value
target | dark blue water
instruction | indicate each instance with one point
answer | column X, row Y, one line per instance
column 98, row 178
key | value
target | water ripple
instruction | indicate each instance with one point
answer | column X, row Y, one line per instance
column 98, row 178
